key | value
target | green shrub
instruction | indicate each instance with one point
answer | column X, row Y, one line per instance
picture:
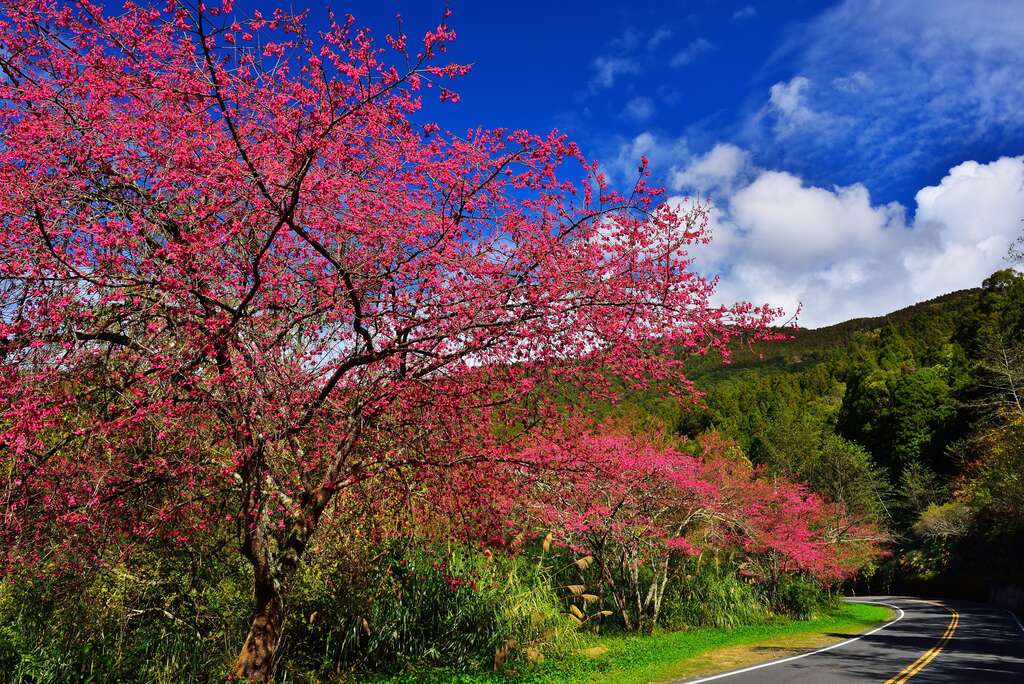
column 800, row 597
column 421, row 608
column 167, row 619
column 354, row 610
column 707, row 594
column 416, row 607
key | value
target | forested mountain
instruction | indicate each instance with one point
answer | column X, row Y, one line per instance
column 913, row 419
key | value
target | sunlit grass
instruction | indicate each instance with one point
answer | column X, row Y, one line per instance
column 634, row 659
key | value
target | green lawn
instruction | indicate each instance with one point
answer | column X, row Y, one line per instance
column 641, row 659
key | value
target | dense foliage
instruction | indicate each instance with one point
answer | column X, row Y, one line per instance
column 283, row 365
column 295, row 384
column 912, row 420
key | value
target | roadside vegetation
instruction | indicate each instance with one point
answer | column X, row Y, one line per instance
column 667, row 655
column 913, row 420
column 430, row 611
column 706, row 544
column 295, row 386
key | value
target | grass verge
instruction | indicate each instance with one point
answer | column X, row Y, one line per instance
column 632, row 659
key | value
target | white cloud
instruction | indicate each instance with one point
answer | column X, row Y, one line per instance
column 788, row 107
column 876, row 91
column 798, row 227
column 909, row 80
column 625, row 54
column 971, row 216
column 664, row 156
column 853, row 83
column 745, row 12
column 608, row 69
column 716, row 173
column 660, row 35
column 627, row 41
column 691, row 52
column 639, row 108
column 778, row 240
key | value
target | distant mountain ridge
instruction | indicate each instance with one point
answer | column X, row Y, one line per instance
column 809, row 344
column 869, row 322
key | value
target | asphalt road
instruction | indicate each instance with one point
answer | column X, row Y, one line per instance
column 931, row 642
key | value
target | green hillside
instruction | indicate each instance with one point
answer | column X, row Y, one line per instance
column 807, row 345
column 910, row 418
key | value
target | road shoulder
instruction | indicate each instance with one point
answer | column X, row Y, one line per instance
column 728, row 659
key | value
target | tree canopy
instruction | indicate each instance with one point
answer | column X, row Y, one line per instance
column 238, row 276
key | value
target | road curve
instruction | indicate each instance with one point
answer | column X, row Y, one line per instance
column 929, row 642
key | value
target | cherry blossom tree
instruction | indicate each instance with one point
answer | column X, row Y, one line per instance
column 238, row 274
column 630, row 506
column 780, row 527
column 634, row 506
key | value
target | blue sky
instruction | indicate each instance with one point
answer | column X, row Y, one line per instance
column 860, row 155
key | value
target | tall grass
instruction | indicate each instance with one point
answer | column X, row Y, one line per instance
column 458, row 608
column 705, row 593
column 162, row 621
column 354, row 611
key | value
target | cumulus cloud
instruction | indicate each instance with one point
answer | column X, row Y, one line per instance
column 716, row 173
column 868, row 94
column 781, row 241
column 969, row 218
column 796, row 227
column 691, row 52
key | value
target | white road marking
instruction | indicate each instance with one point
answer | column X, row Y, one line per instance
column 804, row 655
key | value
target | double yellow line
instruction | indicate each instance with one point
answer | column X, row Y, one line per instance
column 930, row 655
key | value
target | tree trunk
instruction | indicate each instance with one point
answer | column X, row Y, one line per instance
column 258, row 657
column 274, row 566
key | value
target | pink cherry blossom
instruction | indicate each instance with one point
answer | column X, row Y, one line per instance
column 235, row 282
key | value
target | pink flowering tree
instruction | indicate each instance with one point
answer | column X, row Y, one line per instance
column 238, row 275
column 630, row 506
column 782, row 534
column 779, row 527
column 635, row 508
